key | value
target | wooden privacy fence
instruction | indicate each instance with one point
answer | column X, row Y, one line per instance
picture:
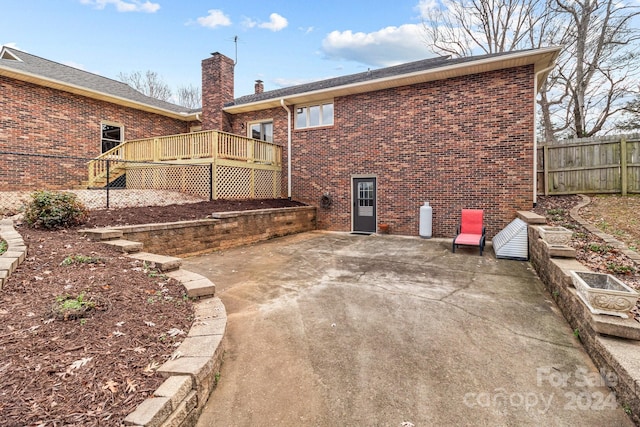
column 609, row 164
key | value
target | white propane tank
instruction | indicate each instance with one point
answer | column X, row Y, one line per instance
column 426, row 213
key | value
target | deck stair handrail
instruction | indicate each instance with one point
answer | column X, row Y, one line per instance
column 194, row 147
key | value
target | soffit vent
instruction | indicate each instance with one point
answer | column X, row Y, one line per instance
column 6, row 54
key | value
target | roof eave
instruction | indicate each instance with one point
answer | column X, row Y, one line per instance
column 540, row 58
column 93, row 94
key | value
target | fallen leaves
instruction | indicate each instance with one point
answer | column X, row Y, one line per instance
column 80, row 363
column 131, row 386
column 112, row 386
column 173, row 332
column 151, row 368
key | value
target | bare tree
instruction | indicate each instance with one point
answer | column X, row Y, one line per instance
column 631, row 116
column 149, row 83
column 599, row 64
column 463, row 27
column 189, row 96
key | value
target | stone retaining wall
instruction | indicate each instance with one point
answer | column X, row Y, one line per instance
column 15, row 253
column 224, row 230
column 615, row 357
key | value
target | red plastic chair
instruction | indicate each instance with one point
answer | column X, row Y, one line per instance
column 470, row 232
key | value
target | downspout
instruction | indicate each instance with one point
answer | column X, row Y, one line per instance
column 288, row 147
column 535, row 134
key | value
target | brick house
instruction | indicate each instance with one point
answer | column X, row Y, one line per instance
column 367, row 148
column 53, row 109
column 458, row 133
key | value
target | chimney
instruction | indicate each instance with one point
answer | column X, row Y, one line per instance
column 259, row 86
column 217, row 90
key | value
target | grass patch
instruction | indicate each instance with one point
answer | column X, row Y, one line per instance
column 70, row 308
column 80, row 259
column 3, row 246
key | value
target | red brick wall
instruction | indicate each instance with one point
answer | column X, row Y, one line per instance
column 36, row 119
column 459, row 143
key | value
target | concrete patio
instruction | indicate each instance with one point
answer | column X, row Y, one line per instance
column 337, row 329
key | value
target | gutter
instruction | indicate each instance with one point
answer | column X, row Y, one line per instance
column 288, row 147
column 535, row 134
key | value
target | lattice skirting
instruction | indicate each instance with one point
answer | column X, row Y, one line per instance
column 228, row 182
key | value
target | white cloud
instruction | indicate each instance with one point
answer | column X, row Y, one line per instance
column 306, row 30
column 426, row 6
column 248, row 22
column 385, row 47
column 125, row 6
column 215, row 18
column 12, row 45
column 276, row 23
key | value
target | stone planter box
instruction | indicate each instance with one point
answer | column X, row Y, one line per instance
column 555, row 235
column 603, row 293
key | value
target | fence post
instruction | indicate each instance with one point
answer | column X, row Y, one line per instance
column 108, row 167
column 623, row 166
column 210, row 181
column 252, row 183
column 215, row 150
column 275, row 185
column 250, row 151
column 545, row 163
column 156, row 150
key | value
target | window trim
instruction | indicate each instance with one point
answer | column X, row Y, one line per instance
column 114, row 124
column 308, row 106
column 256, row 122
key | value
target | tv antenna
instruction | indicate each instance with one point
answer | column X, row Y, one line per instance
column 235, row 41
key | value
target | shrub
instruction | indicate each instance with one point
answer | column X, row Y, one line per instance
column 52, row 209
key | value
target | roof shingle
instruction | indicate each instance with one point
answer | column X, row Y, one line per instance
column 51, row 70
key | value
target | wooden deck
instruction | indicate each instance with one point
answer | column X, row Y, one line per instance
column 229, row 157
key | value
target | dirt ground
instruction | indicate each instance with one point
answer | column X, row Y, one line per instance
column 614, row 215
column 83, row 328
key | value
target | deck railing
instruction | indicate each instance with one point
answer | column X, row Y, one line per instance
column 196, row 147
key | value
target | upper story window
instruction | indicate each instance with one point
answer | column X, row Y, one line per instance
column 308, row 116
column 261, row 130
column 112, row 135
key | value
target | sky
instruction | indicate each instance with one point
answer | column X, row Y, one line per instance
column 281, row 42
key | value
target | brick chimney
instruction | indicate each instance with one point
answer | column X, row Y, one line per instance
column 217, row 90
column 259, row 86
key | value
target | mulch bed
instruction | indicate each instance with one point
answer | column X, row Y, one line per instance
column 83, row 328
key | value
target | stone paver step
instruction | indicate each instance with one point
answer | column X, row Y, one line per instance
column 197, row 286
column 127, row 246
column 560, row 251
column 531, row 217
column 161, row 262
column 101, row 233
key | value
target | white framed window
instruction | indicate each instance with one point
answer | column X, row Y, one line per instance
column 112, row 135
column 261, row 130
column 314, row 115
